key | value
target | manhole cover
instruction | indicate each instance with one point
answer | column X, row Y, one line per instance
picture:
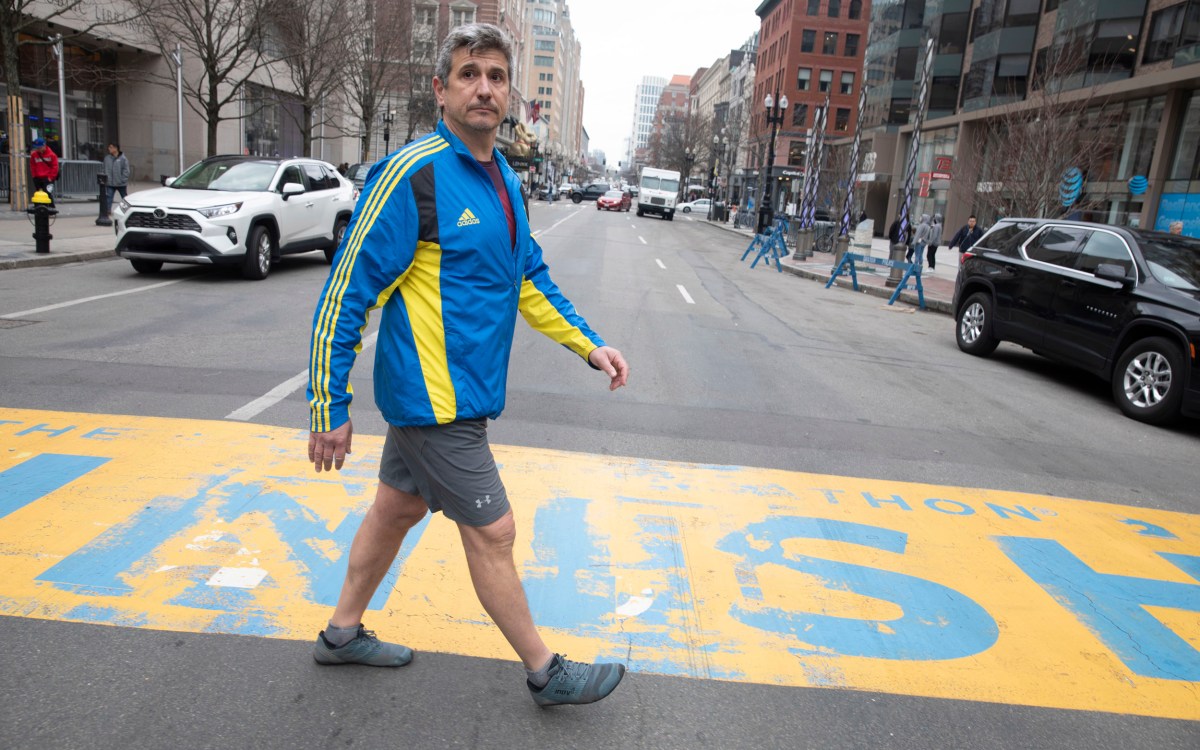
column 11, row 323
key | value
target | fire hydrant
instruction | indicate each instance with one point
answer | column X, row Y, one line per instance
column 42, row 211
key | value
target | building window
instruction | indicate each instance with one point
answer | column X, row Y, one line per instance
column 541, row 76
column 851, row 49
column 803, row 76
column 1165, row 26
column 814, row 7
column 1012, row 74
column 855, row 10
column 1114, row 47
column 847, row 86
column 841, row 121
column 830, row 47
column 826, row 80
column 426, row 16
column 546, row 45
column 799, row 114
column 906, row 64
column 1022, row 13
column 795, row 153
column 541, row 89
column 953, row 38
column 808, row 40
column 460, row 17
column 543, row 60
column 835, row 7
column 1186, row 164
column 543, row 16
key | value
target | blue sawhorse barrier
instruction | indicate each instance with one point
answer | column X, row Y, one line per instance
column 770, row 245
column 911, row 271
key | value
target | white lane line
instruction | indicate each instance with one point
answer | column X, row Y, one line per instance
column 73, row 302
column 643, row 239
column 555, row 224
column 283, row 390
column 687, row 297
column 660, row 264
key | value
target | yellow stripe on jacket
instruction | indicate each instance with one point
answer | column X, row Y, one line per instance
column 545, row 318
column 422, row 295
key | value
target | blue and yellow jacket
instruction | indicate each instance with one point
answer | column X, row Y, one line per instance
column 428, row 242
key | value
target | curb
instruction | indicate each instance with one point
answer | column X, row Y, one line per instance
column 908, row 297
column 52, row 259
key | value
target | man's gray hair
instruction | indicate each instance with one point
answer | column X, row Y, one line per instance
column 476, row 37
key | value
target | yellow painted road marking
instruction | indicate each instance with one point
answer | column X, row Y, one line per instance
column 722, row 572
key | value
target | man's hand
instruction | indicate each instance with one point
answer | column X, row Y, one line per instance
column 612, row 363
column 328, row 450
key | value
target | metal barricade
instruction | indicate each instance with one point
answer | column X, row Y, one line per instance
column 77, row 179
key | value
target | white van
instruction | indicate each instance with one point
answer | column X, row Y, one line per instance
column 657, row 192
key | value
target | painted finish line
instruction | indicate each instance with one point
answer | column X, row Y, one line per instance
column 708, row 571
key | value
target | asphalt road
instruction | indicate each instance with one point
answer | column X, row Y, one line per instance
column 730, row 367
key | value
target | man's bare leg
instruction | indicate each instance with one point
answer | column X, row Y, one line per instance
column 490, row 559
column 373, row 550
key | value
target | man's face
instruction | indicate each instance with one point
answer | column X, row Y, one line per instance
column 113, row 149
column 476, row 95
column 971, row 223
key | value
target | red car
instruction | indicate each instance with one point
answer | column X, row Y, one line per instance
column 613, row 200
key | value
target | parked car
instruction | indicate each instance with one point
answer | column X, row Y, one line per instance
column 357, row 174
column 1120, row 303
column 699, row 206
column 613, row 200
column 590, row 192
column 236, row 210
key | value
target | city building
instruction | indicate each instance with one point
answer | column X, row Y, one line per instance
column 645, row 104
column 553, row 87
column 811, row 52
column 669, row 136
column 1125, row 70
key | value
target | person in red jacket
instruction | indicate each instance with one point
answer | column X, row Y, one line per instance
column 43, row 165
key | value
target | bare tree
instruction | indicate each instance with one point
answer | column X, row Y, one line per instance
column 1024, row 150
column 314, row 35
column 226, row 38
column 670, row 144
column 25, row 23
column 375, row 51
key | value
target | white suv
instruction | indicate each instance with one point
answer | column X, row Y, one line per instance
column 243, row 210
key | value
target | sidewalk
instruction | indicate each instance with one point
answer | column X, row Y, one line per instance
column 938, row 287
column 76, row 237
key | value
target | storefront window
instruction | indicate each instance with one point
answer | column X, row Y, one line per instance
column 1186, row 165
column 1139, row 124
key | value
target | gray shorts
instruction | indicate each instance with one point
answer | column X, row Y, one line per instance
column 450, row 466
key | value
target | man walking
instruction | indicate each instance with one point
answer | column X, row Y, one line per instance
column 43, row 167
column 116, row 176
column 440, row 241
column 964, row 239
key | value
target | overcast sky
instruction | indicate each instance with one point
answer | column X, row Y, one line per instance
column 623, row 40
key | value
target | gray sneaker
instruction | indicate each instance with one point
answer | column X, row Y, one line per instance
column 364, row 648
column 576, row 682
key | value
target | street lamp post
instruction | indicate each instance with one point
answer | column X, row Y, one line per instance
column 775, row 118
column 718, row 151
column 389, row 116
column 689, row 157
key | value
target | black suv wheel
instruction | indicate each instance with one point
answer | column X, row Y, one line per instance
column 1148, row 381
column 974, row 325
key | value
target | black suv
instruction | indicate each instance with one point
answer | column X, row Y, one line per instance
column 1123, row 304
column 590, row 192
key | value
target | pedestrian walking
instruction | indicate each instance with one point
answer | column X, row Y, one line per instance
column 966, row 237
column 932, row 241
column 43, row 167
column 443, row 243
column 920, row 238
column 116, row 175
